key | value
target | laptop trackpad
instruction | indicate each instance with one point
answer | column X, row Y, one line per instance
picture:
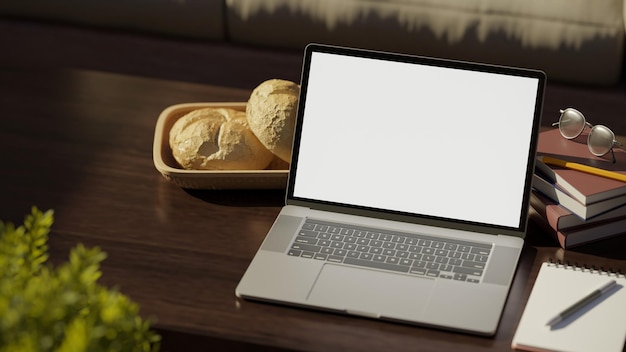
column 370, row 292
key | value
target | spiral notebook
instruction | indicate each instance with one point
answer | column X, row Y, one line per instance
column 599, row 326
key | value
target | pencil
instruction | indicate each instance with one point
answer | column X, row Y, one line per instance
column 584, row 168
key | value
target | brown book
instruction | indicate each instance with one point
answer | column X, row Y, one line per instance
column 584, row 187
column 565, row 199
column 572, row 237
column 559, row 218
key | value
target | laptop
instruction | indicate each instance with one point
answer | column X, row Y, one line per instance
column 408, row 190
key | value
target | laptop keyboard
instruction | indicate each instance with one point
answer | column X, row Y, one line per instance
column 401, row 252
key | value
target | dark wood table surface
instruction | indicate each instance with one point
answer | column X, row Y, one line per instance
column 80, row 142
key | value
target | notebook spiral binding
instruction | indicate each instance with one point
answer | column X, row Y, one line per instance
column 585, row 268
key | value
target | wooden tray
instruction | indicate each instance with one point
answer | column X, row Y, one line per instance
column 206, row 179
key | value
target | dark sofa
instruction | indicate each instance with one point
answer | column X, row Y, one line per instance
column 574, row 41
column 217, row 49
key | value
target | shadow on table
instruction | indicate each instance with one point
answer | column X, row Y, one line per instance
column 243, row 197
column 173, row 341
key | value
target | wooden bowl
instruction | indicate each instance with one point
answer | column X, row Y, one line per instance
column 207, row 179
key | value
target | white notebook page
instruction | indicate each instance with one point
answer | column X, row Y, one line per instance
column 600, row 326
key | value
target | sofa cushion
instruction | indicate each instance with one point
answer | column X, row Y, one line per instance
column 572, row 40
column 190, row 18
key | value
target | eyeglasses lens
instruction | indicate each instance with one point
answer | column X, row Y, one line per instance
column 571, row 123
column 600, row 140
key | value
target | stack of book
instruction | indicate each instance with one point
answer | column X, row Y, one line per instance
column 577, row 207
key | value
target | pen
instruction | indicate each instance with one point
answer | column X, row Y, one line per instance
column 584, row 168
column 580, row 304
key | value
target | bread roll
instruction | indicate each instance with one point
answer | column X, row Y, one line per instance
column 271, row 113
column 217, row 139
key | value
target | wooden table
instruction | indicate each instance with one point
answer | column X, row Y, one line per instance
column 80, row 142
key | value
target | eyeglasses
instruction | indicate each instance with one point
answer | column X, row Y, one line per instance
column 600, row 140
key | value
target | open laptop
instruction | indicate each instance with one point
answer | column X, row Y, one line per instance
column 408, row 191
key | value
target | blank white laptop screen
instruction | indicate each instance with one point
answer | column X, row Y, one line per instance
column 415, row 138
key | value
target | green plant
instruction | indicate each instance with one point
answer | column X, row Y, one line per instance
column 63, row 308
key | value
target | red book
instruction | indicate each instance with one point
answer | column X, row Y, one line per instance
column 584, row 187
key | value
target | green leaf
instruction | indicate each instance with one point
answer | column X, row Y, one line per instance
column 63, row 308
column 76, row 337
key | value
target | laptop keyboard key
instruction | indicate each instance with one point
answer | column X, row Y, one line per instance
column 437, row 245
column 336, row 237
column 340, row 252
column 467, row 271
column 321, row 228
column 376, row 243
column 432, row 266
column 353, row 254
column 308, row 226
column 417, row 271
column 481, row 258
column 445, row 267
column 432, row 273
column 306, row 247
column 450, row 247
column 415, row 256
column 468, row 256
column 472, row 264
column 389, row 252
column 336, row 244
column 307, row 240
column 419, row 264
column 376, row 250
column 366, row 256
column 350, row 246
column 320, row 256
column 454, row 261
column 393, row 260
column 308, row 233
column 480, row 251
column 398, row 239
column 350, row 239
column 324, row 236
column 327, row 250
column 406, row 262
column 294, row 252
column 379, row 258
column 463, row 248
column 460, row 277
column 335, row 258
